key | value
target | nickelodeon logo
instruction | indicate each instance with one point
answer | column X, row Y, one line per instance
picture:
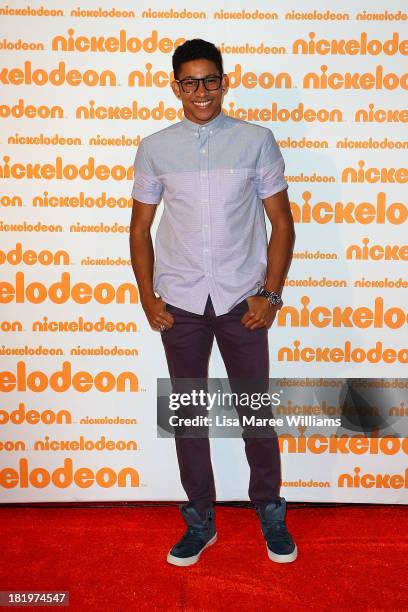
column 277, row 113
column 306, row 483
column 29, row 257
column 102, row 444
column 43, row 139
column 361, row 46
column 245, row 15
column 27, row 350
column 105, row 261
column 251, row 49
column 374, row 175
column 313, row 255
column 338, row 316
column 22, row 416
column 364, row 213
column 377, row 252
column 384, row 16
column 342, row 354
column 370, row 481
column 32, row 417
column 173, row 14
column 20, row 45
column 100, row 12
column 64, row 380
column 56, row 77
column 318, row 444
column 60, row 170
column 31, row 12
column 29, row 111
column 355, row 80
column 381, row 115
column 372, row 143
column 134, row 111
column 114, row 44
column 384, row 283
column 318, row 15
column 82, row 325
column 314, row 282
column 314, row 177
column 62, row 292
column 81, row 201
column 65, row 476
column 29, row 227
column 107, row 421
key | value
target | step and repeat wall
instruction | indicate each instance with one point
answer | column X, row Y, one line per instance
column 81, row 85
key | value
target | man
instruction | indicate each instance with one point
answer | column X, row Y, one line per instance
column 214, row 272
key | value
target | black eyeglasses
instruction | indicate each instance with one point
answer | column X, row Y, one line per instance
column 211, row 83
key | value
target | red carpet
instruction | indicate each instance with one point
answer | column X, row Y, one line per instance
column 114, row 559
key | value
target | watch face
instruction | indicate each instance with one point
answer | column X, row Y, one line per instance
column 272, row 297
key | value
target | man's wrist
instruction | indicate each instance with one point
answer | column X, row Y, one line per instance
column 274, row 298
column 146, row 299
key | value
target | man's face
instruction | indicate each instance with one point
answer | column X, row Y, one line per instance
column 201, row 105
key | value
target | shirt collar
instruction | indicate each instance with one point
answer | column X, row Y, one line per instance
column 214, row 123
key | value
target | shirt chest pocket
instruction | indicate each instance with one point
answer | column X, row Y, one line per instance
column 232, row 185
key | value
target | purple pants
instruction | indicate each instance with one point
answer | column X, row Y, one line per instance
column 245, row 354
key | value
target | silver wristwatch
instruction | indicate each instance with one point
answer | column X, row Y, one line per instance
column 272, row 297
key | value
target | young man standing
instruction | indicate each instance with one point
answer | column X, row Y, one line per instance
column 214, row 272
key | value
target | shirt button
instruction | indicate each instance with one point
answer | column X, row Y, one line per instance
column 203, row 151
column 211, row 131
column 207, row 274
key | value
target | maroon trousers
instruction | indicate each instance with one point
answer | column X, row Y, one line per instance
column 245, row 354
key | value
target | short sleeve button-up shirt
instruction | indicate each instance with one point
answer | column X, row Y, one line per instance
column 211, row 238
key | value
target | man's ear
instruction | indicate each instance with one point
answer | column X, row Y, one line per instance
column 225, row 83
column 175, row 88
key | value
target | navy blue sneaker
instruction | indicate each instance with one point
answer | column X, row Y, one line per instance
column 199, row 535
column 279, row 543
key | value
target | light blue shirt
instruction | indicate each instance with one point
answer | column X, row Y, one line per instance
column 211, row 239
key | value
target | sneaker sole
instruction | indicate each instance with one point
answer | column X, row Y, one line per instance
column 282, row 558
column 180, row 562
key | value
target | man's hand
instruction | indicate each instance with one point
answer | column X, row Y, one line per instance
column 261, row 313
column 155, row 311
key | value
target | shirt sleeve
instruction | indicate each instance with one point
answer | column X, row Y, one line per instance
column 146, row 187
column 269, row 178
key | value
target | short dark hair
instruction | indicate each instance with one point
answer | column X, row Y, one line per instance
column 196, row 49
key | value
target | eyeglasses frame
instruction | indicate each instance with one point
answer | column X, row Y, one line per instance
column 220, row 77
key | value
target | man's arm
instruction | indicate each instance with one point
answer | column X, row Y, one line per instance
column 281, row 242
column 280, row 250
column 142, row 257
